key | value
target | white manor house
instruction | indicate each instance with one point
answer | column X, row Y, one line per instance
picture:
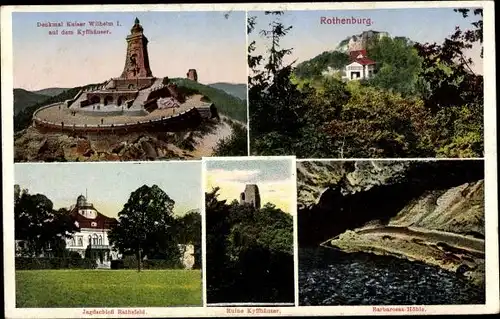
column 360, row 66
column 93, row 232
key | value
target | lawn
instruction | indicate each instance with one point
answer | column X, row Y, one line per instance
column 107, row 288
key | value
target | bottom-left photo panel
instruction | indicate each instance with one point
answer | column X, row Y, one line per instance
column 108, row 235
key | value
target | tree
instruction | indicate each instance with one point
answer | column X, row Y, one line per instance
column 378, row 123
column 36, row 222
column 143, row 224
column 236, row 144
column 446, row 69
column 275, row 103
column 312, row 69
column 453, row 92
column 398, row 65
column 248, row 248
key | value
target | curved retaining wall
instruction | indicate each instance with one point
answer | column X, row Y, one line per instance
column 176, row 122
column 125, row 112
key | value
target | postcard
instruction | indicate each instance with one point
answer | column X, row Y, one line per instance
column 244, row 160
column 128, row 86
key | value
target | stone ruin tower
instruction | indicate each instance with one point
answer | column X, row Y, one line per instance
column 251, row 196
column 137, row 59
column 192, row 75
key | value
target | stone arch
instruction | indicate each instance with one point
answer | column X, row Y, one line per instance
column 108, row 99
column 95, row 99
column 121, row 100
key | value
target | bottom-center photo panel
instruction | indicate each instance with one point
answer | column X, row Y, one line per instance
column 250, row 206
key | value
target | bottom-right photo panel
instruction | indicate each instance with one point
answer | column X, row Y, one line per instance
column 391, row 232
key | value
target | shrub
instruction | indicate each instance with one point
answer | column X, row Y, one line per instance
column 117, row 264
column 30, row 263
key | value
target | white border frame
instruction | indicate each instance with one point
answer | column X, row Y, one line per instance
column 293, row 213
column 491, row 204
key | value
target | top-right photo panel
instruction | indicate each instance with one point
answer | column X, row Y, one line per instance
column 389, row 83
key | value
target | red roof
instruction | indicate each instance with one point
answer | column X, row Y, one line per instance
column 365, row 61
column 354, row 54
column 100, row 222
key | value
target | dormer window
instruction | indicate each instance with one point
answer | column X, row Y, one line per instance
column 93, row 224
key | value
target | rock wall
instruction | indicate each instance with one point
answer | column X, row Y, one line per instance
column 427, row 211
column 335, row 196
column 457, row 210
column 360, row 41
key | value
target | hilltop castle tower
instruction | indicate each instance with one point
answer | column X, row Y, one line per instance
column 250, row 196
column 137, row 59
column 192, row 75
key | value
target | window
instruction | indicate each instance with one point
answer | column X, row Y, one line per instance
column 80, row 241
column 73, row 242
column 94, row 241
column 100, row 240
column 90, row 240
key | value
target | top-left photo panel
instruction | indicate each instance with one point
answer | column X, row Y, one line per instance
column 129, row 86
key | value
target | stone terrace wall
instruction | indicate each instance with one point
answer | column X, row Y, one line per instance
column 176, row 122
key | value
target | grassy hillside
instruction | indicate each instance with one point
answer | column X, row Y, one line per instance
column 24, row 99
column 51, row 91
column 237, row 90
column 226, row 104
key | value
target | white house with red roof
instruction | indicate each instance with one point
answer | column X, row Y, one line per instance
column 360, row 67
column 93, row 233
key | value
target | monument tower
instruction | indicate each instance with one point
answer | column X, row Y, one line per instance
column 137, row 59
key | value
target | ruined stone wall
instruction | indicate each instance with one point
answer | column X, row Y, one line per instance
column 251, row 196
column 192, row 75
column 187, row 258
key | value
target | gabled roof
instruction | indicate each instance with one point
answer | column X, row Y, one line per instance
column 360, row 57
column 100, row 222
column 354, row 54
column 365, row 61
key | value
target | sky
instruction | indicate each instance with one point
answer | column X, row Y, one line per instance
column 109, row 185
column 210, row 42
column 309, row 37
column 275, row 179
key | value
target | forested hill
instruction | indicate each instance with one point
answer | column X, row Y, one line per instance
column 314, row 67
column 51, row 91
column 24, row 99
column 238, row 90
column 336, row 59
column 22, row 118
column 226, row 104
